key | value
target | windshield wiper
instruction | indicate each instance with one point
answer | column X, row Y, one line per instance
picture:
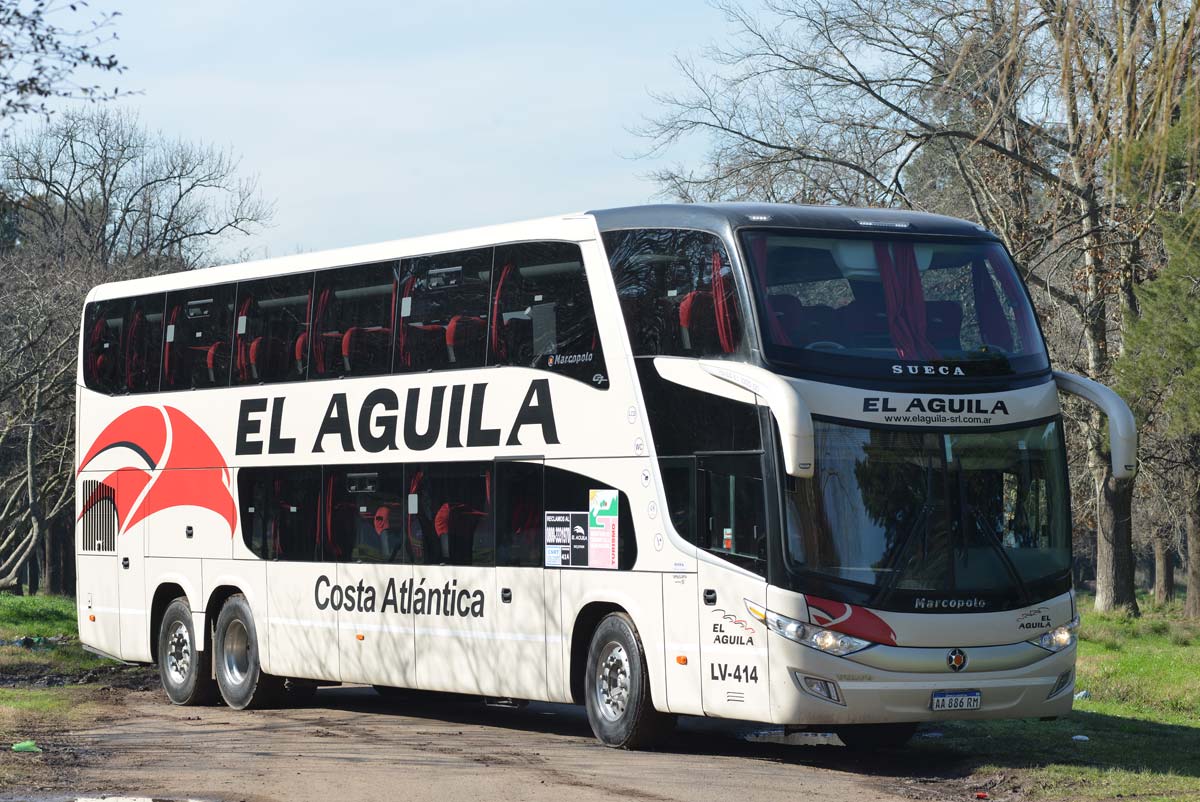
column 893, row 567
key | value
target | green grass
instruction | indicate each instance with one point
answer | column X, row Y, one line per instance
column 36, row 616
column 32, row 700
column 1142, row 720
column 45, row 716
column 42, row 617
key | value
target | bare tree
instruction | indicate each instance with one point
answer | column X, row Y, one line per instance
column 94, row 185
column 1019, row 106
column 44, row 46
column 90, row 196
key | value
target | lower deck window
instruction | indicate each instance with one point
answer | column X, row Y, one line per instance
column 430, row 513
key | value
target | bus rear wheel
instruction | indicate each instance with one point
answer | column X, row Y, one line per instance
column 182, row 668
column 240, row 677
column 617, row 688
column 869, row 737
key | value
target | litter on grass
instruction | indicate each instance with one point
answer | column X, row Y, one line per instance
column 25, row 746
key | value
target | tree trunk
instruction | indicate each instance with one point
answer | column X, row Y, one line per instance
column 66, row 562
column 1164, row 572
column 49, row 562
column 1114, row 544
column 1114, row 497
column 1191, row 606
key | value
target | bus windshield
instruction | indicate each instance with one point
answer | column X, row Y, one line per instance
column 907, row 520
column 869, row 306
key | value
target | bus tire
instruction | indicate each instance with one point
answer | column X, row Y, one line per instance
column 240, row 677
column 617, row 688
column 182, row 667
column 871, row 737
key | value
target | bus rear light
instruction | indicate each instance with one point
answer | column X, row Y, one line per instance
column 823, row 640
column 681, row 659
column 821, row 688
column 359, row 636
column 92, row 618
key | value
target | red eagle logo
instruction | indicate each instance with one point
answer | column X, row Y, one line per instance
column 857, row 621
column 191, row 471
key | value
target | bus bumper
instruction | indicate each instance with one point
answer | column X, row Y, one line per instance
column 812, row 687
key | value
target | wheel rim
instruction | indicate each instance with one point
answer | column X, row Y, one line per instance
column 612, row 681
column 236, row 650
column 179, row 653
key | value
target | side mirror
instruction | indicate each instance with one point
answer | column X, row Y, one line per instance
column 1122, row 429
column 791, row 413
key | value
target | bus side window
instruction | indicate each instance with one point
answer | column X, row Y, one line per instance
column 542, row 315
column 122, row 343
column 450, row 513
column 442, row 311
column 199, row 337
column 353, row 321
column 271, row 329
column 567, row 491
column 732, row 521
column 141, row 345
column 679, row 476
column 520, row 514
column 677, row 292
column 103, row 325
column 364, row 509
column 280, row 512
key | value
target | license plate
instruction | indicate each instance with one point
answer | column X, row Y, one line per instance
column 956, row 700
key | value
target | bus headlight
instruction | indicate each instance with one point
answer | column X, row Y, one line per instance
column 823, row 640
column 1059, row 638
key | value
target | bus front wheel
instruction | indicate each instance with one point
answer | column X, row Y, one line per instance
column 240, row 677
column 182, row 668
column 617, row 688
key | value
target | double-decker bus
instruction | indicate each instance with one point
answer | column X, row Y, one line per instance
column 774, row 463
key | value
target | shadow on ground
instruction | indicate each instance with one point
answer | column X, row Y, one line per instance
column 950, row 750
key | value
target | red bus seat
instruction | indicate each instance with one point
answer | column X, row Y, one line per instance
column 465, row 339
column 698, row 323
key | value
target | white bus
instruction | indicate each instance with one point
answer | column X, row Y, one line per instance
column 766, row 462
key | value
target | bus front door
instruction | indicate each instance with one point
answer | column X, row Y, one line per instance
column 733, row 646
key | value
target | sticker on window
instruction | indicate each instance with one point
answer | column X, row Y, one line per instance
column 602, row 528
column 584, row 539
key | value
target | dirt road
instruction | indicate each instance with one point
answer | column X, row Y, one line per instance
column 352, row 745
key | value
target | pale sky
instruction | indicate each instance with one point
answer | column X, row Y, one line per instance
column 369, row 121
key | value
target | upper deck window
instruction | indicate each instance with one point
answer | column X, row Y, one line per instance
column 122, row 344
column 677, row 292
column 870, row 306
column 443, row 311
column 353, row 321
column 271, row 336
column 542, row 314
column 198, row 342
